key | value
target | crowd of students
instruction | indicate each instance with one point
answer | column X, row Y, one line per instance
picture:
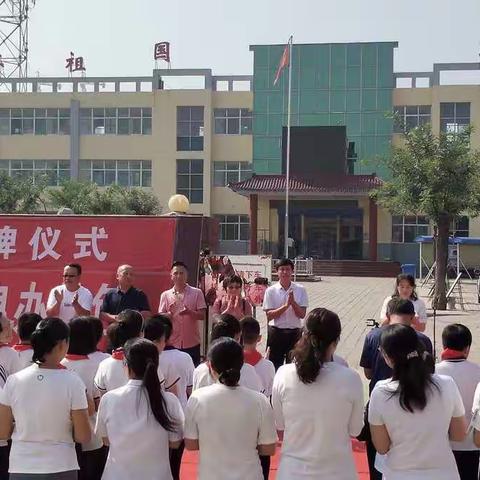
column 69, row 411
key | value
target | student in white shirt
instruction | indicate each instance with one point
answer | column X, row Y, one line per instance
column 70, row 299
column 227, row 326
column 457, row 340
column 82, row 343
column 285, row 304
column 405, row 288
column 413, row 414
column 184, row 366
column 230, row 424
column 26, row 325
column 318, row 404
column 138, row 421
column 50, row 408
column 100, row 340
column 111, row 372
column 155, row 331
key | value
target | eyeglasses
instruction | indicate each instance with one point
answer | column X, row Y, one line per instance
column 69, row 276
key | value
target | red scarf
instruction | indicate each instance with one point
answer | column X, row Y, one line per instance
column 73, row 357
column 4, row 345
column 451, row 354
column 21, row 347
column 252, row 357
column 118, row 354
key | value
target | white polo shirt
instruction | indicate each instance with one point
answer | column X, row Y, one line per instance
column 67, row 312
column 318, row 420
column 419, row 441
column 86, row 369
column 229, row 424
column 184, row 366
column 138, row 443
column 276, row 296
column 466, row 376
column 112, row 374
column 419, row 305
column 248, row 378
column 41, row 400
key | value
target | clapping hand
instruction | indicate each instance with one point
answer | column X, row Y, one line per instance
column 75, row 300
column 58, row 296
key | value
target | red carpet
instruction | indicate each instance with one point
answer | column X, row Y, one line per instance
column 190, row 460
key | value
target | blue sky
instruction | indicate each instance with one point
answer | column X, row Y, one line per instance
column 116, row 37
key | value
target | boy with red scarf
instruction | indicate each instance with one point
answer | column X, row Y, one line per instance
column 456, row 340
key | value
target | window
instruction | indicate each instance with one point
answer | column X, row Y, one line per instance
column 116, row 121
column 230, row 172
column 233, row 121
column 34, row 121
column 127, row 173
column 460, row 227
column 190, row 179
column 406, row 228
column 454, row 117
column 53, row 172
column 234, row 227
column 190, row 129
column 411, row 116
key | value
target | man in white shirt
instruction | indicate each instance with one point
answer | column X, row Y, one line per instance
column 285, row 304
column 70, row 299
column 457, row 340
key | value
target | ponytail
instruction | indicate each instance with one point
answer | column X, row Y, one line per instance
column 322, row 328
column 412, row 366
column 142, row 360
column 226, row 360
column 46, row 336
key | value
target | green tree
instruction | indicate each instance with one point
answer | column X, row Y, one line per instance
column 438, row 177
column 21, row 195
column 74, row 195
column 141, row 202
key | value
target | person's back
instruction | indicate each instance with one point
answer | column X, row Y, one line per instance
column 185, row 367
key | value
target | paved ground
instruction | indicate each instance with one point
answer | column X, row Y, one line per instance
column 357, row 299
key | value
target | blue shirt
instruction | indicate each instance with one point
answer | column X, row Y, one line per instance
column 115, row 301
column 373, row 359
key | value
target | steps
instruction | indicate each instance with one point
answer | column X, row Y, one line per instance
column 355, row 268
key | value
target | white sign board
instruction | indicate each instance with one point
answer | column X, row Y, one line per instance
column 251, row 267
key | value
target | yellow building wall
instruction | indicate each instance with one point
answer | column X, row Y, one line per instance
column 225, row 202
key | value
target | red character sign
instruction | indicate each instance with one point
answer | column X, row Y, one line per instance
column 75, row 64
column 162, row 51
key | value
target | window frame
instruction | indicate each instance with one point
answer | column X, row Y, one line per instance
column 239, row 167
column 89, row 168
column 401, row 117
column 187, row 119
column 186, row 169
column 120, row 117
column 38, row 168
column 228, row 118
column 225, row 222
column 426, row 224
column 459, row 122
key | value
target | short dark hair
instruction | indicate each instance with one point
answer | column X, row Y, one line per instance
column 232, row 279
column 155, row 328
column 168, row 326
column 400, row 306
column 26, row 325
column 227, row 326
column 285, row 262
column 97, row 327
column 77, row 266
column 456, row 337
column 179, row 264
column 250, row 330
column 128, row 325
column 82, row 337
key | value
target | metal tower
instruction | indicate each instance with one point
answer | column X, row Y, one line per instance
column 14, row 38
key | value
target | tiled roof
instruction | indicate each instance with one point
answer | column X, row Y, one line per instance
column 344, row 184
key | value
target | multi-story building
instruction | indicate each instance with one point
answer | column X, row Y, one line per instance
column 198, row 141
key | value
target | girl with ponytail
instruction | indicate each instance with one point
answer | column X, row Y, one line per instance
column 230, row 424
column 49, row 405
column 413, row 415
column 139, row 421
column 318, row 405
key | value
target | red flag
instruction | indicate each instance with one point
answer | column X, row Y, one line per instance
column 284, row 62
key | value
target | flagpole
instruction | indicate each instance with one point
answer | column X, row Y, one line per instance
column 287, row 172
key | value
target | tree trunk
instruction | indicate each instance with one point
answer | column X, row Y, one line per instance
column 441, row 259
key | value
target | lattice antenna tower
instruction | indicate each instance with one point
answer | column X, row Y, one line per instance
column 14, row 15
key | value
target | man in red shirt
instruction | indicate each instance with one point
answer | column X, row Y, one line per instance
column 185, row 305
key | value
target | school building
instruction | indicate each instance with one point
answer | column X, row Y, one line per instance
column 220, row 140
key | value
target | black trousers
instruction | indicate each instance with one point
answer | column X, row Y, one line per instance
column 280, row 342
column 194, row 352
column 4, row 461
column 176, row 460
column 91, row 463
column 467, row 463
column 265, row 461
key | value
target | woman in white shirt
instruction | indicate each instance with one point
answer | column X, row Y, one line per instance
column 139, row 421
column 413, row 415
column 405, row 288
column 93, row 454
column 230, row 425
column 49, row 405
column 318, row 404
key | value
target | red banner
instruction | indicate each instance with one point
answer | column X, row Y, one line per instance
column 34, row 249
